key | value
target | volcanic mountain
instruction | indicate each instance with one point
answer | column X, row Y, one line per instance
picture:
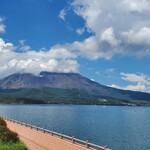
column 66, row 88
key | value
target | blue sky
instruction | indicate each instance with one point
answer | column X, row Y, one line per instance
column 106, row 43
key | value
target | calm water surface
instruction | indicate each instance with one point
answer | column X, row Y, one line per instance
column 121, row 128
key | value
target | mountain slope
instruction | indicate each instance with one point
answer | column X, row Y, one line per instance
column 65, row 88
column 47, row 79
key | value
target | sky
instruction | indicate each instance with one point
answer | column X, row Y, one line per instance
column 106, row 41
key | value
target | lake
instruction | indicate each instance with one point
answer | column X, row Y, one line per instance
column 119, row 127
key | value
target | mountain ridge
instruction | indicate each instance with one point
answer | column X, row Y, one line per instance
column 48, row 79
column 80, row 87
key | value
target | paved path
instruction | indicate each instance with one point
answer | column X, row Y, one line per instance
column 37, row 140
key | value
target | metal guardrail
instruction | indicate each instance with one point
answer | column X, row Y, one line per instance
column 86, row 144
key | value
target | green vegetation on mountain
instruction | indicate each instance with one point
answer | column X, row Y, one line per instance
column 63, row 96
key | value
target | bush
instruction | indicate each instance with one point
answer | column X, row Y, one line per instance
column 2, row 122
column 3, row 129
column 8, row 136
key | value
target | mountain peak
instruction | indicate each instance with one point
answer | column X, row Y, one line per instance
column 45, row 79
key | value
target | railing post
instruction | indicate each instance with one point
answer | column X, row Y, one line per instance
column 87, row 145
column 61, row 136
column 52, row 133
column 105, row 147
column 72, row 139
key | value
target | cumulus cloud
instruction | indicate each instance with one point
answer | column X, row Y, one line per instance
column 89, row 11
column 138, row 37
column 140, row 82
column 108, row 36
column 142, row 79
column 90, row 48
column 53, row 60
column 116, row 29
column 2, row 26
column 87, row 48
column 122, row 28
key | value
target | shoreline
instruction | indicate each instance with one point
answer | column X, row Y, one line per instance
column 107, row 105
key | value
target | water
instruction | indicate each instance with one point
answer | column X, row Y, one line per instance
column 121, row 128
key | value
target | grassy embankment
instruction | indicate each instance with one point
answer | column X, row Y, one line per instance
column 9, row 140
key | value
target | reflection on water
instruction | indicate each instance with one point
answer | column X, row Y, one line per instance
column 121, row 128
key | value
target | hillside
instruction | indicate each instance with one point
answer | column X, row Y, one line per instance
column 64, row 88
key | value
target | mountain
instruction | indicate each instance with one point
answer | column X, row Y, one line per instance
column 47, row 79
column 72, row 88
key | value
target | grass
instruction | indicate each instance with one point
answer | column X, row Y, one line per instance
column 12, row 146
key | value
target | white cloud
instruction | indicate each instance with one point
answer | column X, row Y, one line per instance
column 89, row 11
column 140, row 82
column 2, row 26
column 143, row 79
column 23, row 46
column 138, row 37
column 22, row 42
column 5, row 47
column 53, row 60
column 87, row 48
column 114, row 27
column 62, row 14
column 80, row 31
column 136, row 5
column 61, row 53
column 108, row 36
column 121, row 28
column 136, row 87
